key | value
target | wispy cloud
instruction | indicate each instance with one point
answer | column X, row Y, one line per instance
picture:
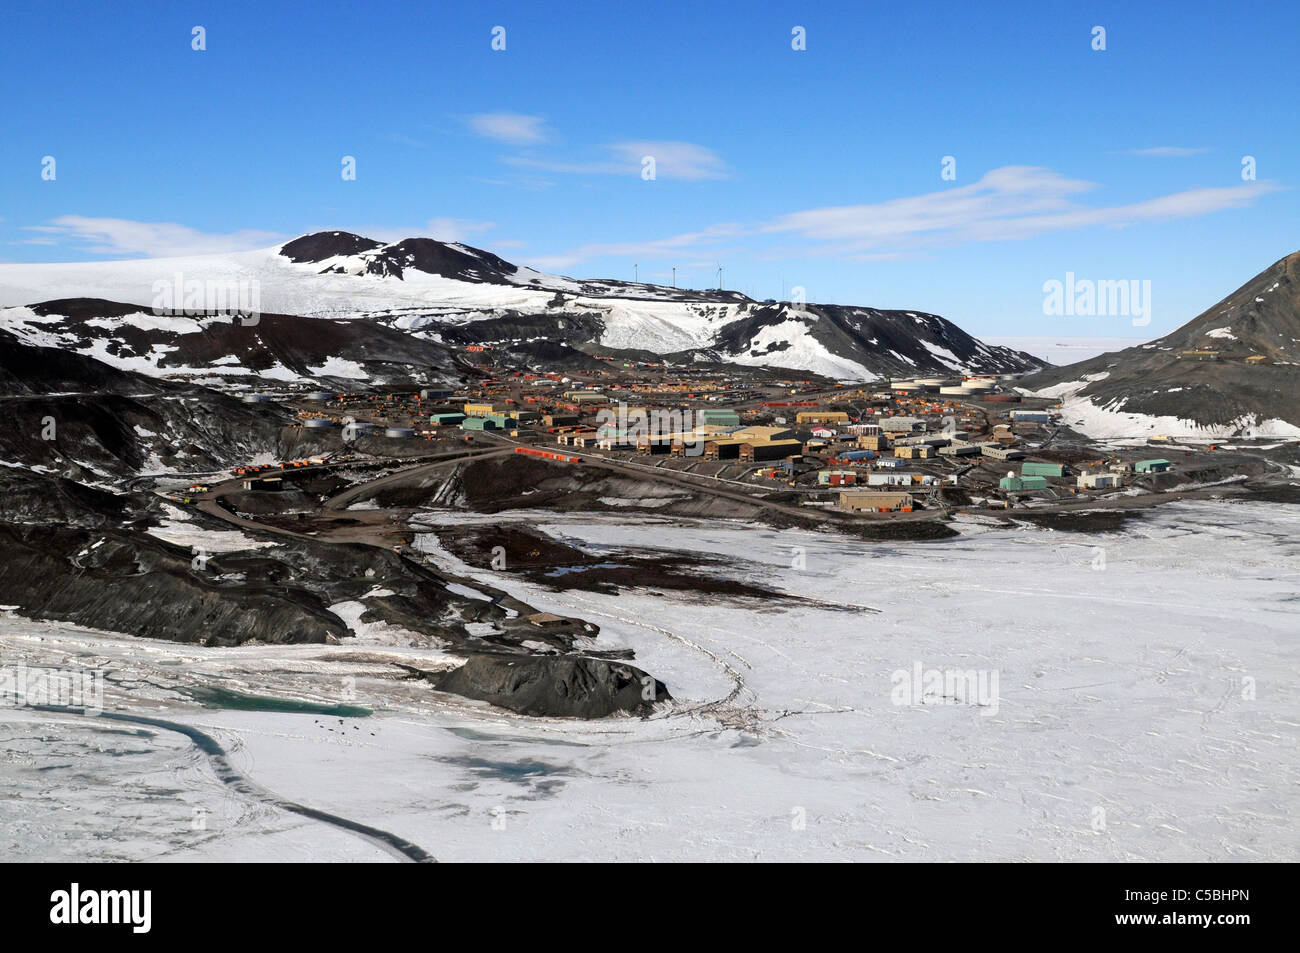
column 443, row 229
column 456, row 229
column 676, row 160
column 515, row 129
column 1167, row 151
column 659, row 248
column 404, row 140
column 528, row 183
column 117, row 236
column 672, row 160
column 1006, row 204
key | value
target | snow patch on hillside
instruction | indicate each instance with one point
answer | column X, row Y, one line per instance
column 1112, row 422
column 791, row 344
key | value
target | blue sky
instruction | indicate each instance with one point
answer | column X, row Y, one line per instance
column 818, row 168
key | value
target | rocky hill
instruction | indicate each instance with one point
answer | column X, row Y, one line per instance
column 1234, row 370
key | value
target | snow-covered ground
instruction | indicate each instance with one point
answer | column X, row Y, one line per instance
column 1144, row 704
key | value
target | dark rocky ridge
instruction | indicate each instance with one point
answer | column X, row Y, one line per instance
column 890, row 343
column 439, row 258
column 305, row 346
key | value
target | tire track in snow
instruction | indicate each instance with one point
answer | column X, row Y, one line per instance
column 390, row 843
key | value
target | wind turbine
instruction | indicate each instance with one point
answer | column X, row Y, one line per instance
column 719, row 264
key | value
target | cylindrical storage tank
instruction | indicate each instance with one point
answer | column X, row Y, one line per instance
column 317, row 423
column 936, row 381
column 257, row 398
column 910, row 386
column 399, row 432
column 319, row 395
column 955, row 391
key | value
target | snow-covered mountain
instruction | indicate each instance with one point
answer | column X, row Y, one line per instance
column 450, row 295
column 1234, row 370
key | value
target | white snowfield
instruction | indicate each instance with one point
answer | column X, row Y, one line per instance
column 1145, row 704
column 283, row 286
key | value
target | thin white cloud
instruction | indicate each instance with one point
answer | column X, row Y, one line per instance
column 659, row 248
column 443, row 229
column 515, row 129
column 672, row 160
column 405, row 140
column 1175, row 152
column 456, row 229
column 675, row 160
column 118, row 236
column 1006, row 204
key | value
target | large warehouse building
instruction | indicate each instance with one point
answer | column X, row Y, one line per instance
column 876, row 501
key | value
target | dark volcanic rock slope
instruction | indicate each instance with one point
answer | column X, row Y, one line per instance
column 271, row 349
column 80, row 543
column 70, row 414
column 887, row 343
column 1247, row 369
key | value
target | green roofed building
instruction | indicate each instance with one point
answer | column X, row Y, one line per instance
column 1152, row 466
column 1023, row 483
column 717, row 417
column 446, row 420
column 1030, row 468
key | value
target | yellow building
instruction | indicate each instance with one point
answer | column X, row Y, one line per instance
column 821, row 417
column 763, row 433
column 917, row 452
column 876, row 500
